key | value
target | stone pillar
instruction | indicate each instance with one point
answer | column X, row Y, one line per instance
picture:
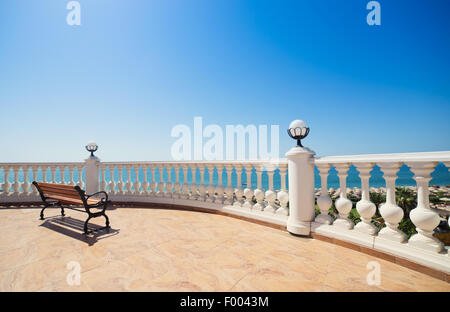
column 301, row 190
column 91, row 174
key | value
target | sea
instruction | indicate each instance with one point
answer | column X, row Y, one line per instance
column 440, row 176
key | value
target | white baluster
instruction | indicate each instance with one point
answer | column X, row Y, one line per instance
column 112, row 183
column 121, row 182
column 283, row 195
column 211, row 187
column 145, row 182
column 53, row 172
column 177, row 185
column 239, row 191
column 343, row 204
column 365, row 207
column 16, row 184
column 104, row 182
column 259, row 192
column 169, row 184
column 137, row 183
column 6, row 184
column 129, row 183
column 153, row 183
column 26, row 183
column 391, row 213
column 424, row 218
column 80, row 177
column 220, row 189
column 248, row 191
column 160, row 182
column 202, row 186
column 324, row 201
column 71, row 170
column 185, row 187
column 270, row 195
column 229, row 191
column 35, row 170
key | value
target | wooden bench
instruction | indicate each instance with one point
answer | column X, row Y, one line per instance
column 55, row 195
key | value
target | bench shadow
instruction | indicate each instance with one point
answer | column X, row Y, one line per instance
column 74, row 228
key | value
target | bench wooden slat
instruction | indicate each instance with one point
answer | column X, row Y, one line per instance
column 44, row 184
column 61, row 193
column 69, row 200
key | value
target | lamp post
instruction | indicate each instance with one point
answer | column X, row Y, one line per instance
column 91, row 173
column 301, row 181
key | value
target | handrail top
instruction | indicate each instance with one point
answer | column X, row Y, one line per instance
column 443, row 156
column 275, row 162
column 41, row 163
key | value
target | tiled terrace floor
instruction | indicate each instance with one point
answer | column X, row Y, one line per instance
column 173, row 250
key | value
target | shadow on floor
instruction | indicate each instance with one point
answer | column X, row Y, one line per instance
column 74, row 228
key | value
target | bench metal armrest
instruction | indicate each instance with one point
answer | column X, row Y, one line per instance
column 101, row 192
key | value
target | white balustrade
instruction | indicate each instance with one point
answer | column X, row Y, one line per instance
column 343, row 204
column 365, row 207
column 390, row 211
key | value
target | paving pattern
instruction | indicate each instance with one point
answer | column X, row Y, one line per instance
column 175, row 250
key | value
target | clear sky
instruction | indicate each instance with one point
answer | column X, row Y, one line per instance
column 134, row 69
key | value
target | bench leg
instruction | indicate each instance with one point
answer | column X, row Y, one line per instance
column 62, row 210
column 107, row 220
column 42, row 212
column 85, row 225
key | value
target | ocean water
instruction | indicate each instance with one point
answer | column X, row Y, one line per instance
column 440, row 176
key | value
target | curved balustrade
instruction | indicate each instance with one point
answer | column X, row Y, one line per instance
column 16, row 178
column 227, row 185
column 390, row 238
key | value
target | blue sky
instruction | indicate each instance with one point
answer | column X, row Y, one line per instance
column 134, row 69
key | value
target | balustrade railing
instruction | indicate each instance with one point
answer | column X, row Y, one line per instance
column 231, row 183
column 258, row 189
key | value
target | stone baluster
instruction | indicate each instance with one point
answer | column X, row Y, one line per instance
column 71, row 171
column 145, row 181
column 343, row 204
column 184, row 188
column 202, row 186
column 177, row 185
column 160, row 182
column 169, row 184
column 80, row 177
column 129, row 183
column 137, row 183
column 112, row 183
column 229, row 191
column 324, row 201
column 16, row 184
column 6, row 184
column 153, row 183
column 220, row 189
column 26, row 183
column 391, row 213
column 53, row 172
column 35, row 170
column 61, row 174
column 121, row 183
column 424, row 218
column 365, row 207
column 211, row 187
column 104, row 182
column 283, row 195
column 248, row 191
column 270, row 195
column 259, row 192
column 239, row 191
